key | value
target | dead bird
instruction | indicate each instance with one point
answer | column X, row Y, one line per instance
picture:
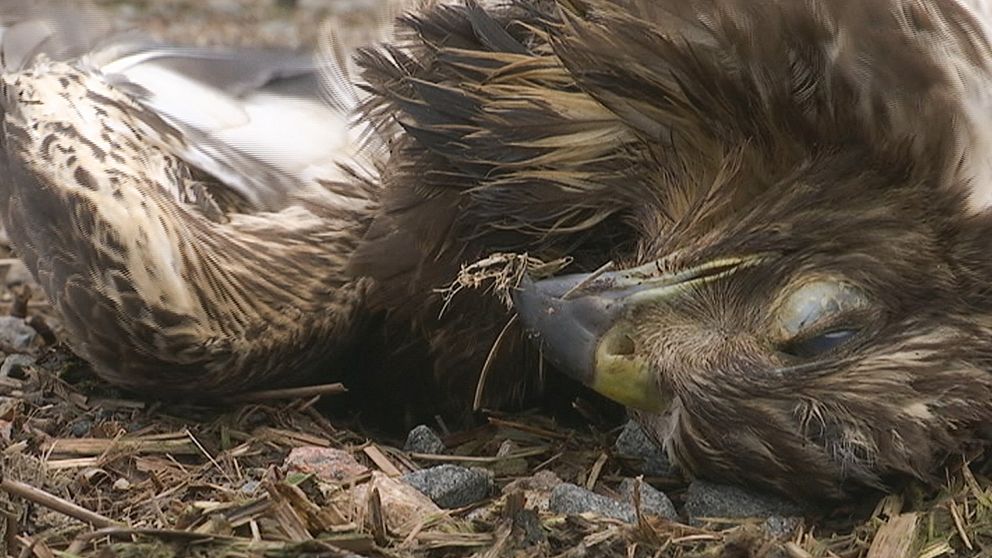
column 795, row 197
column 182, row 208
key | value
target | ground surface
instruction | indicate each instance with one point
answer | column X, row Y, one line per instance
column 90, row 471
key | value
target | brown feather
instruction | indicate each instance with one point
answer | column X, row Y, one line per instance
column 843, row 138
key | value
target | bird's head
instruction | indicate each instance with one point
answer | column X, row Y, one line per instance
column 802, row 309
column 812, row 352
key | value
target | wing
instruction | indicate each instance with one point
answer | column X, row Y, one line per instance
column 114, row 195
column 475, row 107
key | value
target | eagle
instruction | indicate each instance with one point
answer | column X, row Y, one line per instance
column 775, row 216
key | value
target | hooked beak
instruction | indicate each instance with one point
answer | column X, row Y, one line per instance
column 582, row 322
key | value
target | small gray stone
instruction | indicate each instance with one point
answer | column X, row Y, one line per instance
column 706, row 499
column 781, row 527
column 528, row 528
column 634, row 443
column 567, row 498
column 653, row 501
column 16, row 334
column 81, row 428
column 13, row 364
column 423, row 439
column 451, row 486
column 250, row 487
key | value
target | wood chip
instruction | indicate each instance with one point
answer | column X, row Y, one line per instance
column 53, row 502
column 895, row 538
column 381, row 461
column 959, row 525
column 37, row 547
column 377, row 520
column 520, row 454
column 99, row 446
column 793, row 550
column 288, row 393
column 288, row 518
column 595, row 471
column 404, row 508
column 289, row 437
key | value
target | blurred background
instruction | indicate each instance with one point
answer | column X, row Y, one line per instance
column 285, row 23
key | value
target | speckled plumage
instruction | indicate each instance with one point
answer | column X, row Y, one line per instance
column 167, row 279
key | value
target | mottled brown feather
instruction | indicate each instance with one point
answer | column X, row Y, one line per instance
column 161, row 287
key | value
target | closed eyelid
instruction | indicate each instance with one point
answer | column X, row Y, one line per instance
column 815, row 302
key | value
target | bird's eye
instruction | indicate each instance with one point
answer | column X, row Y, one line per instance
column 820, row 316
column 819, row 344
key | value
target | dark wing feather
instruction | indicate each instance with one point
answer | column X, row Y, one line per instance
column 478, row 110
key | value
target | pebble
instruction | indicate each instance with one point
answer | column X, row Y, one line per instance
column 781, row 527
column 451, row 486
column 12, row 365
column 707, row 499
column 423, row 439
column 528, row 529
column 567, row 498
column 634, row 443
column 16, row 334
column 81, row 428
column 327, row 464
column 653, row 501
column 570, row 499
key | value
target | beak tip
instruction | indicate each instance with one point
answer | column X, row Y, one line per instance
column 568, row 342
column 571, row 332
column 527, row 301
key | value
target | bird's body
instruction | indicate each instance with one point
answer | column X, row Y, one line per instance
column 795, row 196
column 181, row 260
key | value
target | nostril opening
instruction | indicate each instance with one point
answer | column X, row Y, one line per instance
column 620, row 344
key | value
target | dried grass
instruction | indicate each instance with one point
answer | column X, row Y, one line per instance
column 195, row 481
